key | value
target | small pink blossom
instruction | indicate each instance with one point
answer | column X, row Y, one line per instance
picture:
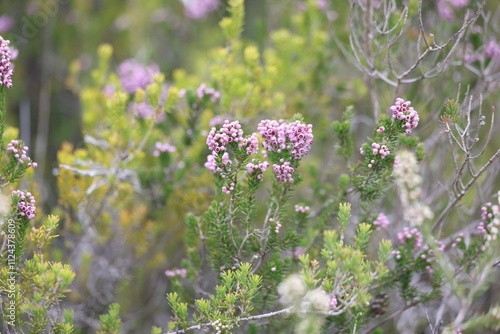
column 303, row 209
column 211, row 164
column 381, row 222
column 402, row 110
column 6, row 67
column 278, row 135
column 163, row 147
column 134, row 75
column 413, row 235
column 176, row 273
column 198, row 9
column 20, row 152
column 284, row 172
column 26, row 205
column 333, row 302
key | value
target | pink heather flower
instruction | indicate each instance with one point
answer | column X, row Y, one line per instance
column 109, row 90
column 303, row 209
column 211, row 164
column 278, row 136
column 142, row 110
column 202, row 91
column 396, row 162
column 163, row 148
column 6, row 67
column 445, row 8
column 273, row 269
column 381, row 222
column 333, row 302
column 489, row 224
column 396, row 254
column 20, row 151
column 322, row 4
column 445, row 11
column 377, row 149
column 225, row 158
column 228, row 190
column 133, row 75
column 381, row 129
column 404, row 112
column 26, row 205
column 251, row 144
column 169, row 273
column 284, row 172
column 177, row 272
column 301, row 137
column 298, row 252
column 6, row 23
column 492, row 50
column 413, row 235
column 257, row 168
column 277, row 228
column 230, row 132
column 198, row 9
column 217, row 120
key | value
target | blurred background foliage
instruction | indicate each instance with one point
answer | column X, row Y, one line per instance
column 122, row 208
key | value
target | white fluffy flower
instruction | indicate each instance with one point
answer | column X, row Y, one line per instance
column 291, row 290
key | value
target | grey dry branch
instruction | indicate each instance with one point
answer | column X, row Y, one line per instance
column 364, row 58
column 458, row 185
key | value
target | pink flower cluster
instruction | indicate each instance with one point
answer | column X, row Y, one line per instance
column 380, row 149
column 251, row 144
column 303, row 209
column 228, row 189
column 230, row 132
column 396, row 253
column 487, row 219
column 333, row 302
column 413, row 235
column 492, row 50
column 457, row 240
column 445, row 8
column 278, row 136
column 26, row 205
column 377, row 149
column 160, row 147
column 277, row 227
column 381, row 222
column 203, row 91
column 141, row 110
column 198, row 9
column 6, row 23
column 211, row 164
column 284, row 172
column 257, row 169
column 428, row 256
column 402, row 111
column 6, row 68
column 20, row 153
column 134, row 75
column 177, row 272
